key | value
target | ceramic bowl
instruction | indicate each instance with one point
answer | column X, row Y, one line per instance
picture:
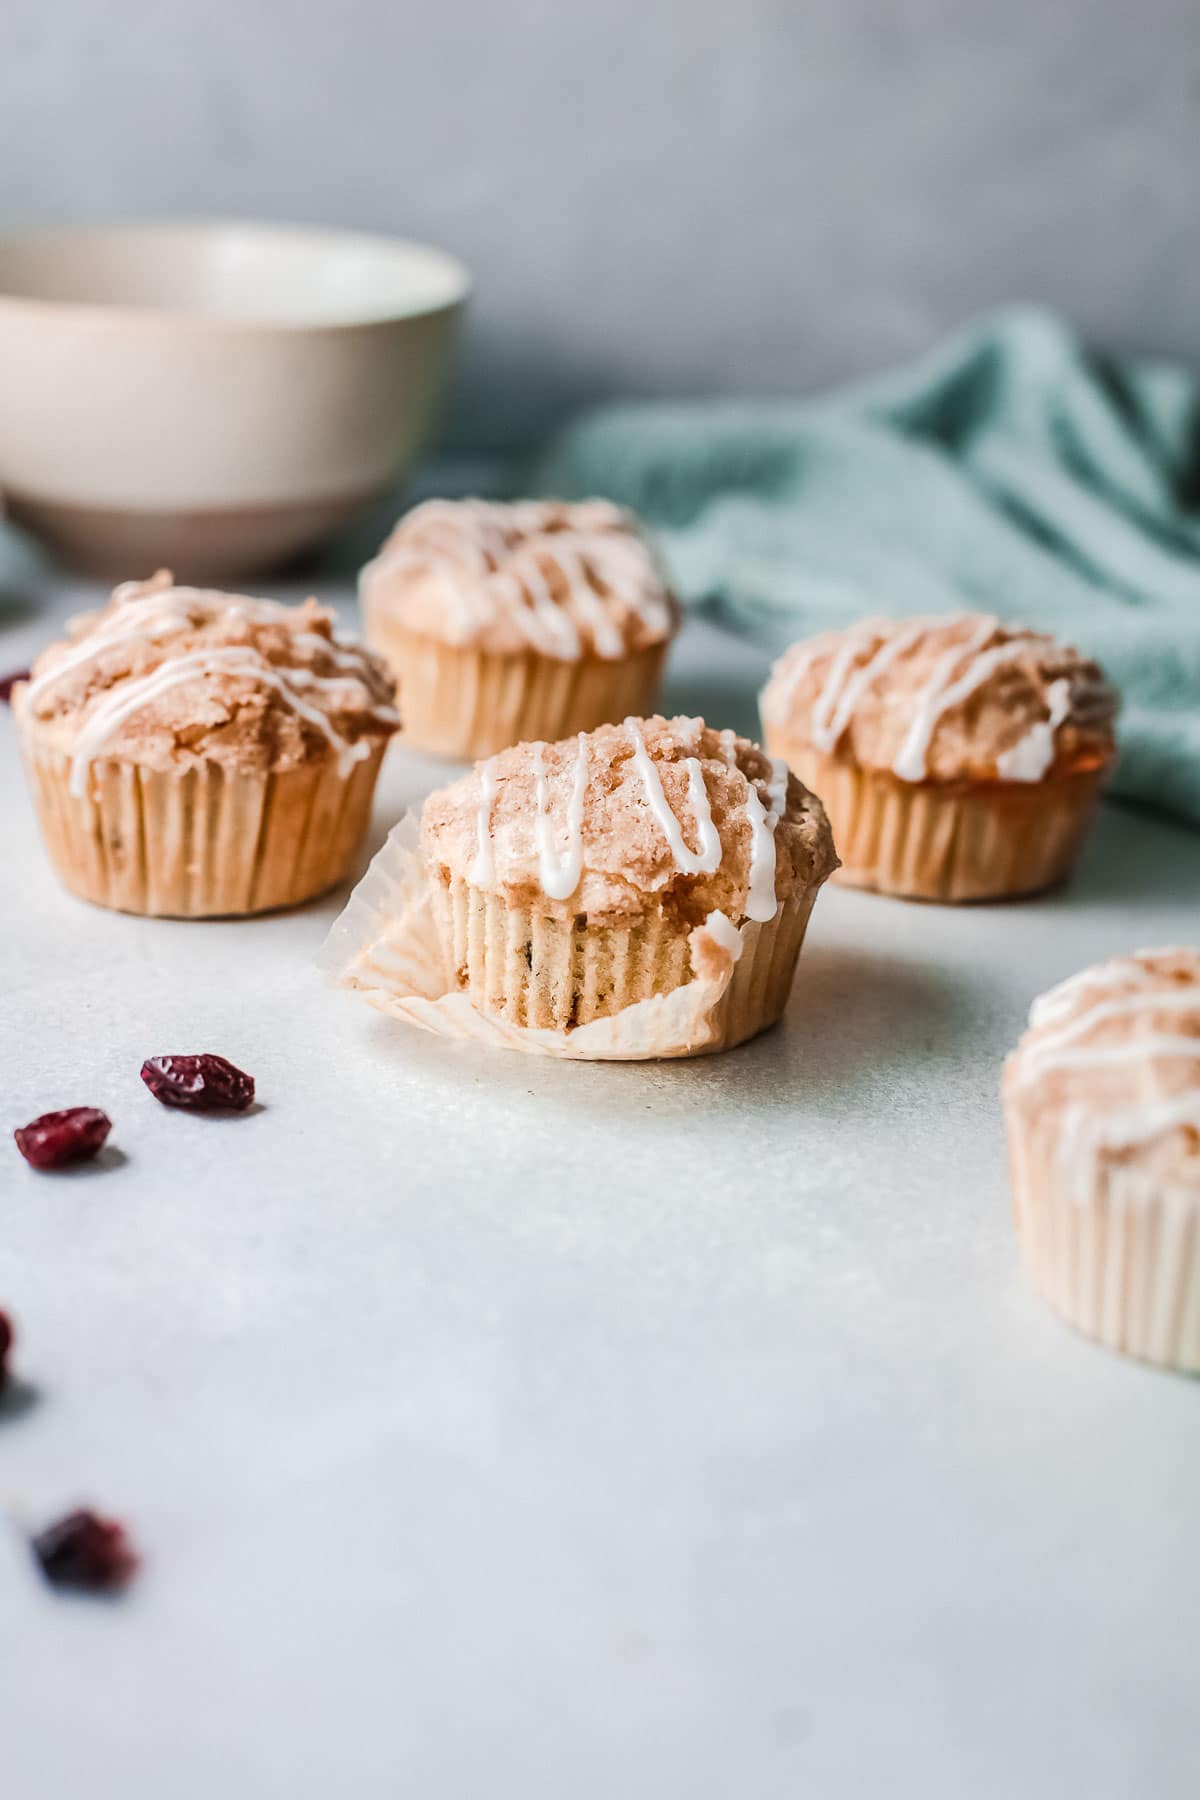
column 212, row 397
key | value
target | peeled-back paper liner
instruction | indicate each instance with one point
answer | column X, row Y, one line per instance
column 385, row 945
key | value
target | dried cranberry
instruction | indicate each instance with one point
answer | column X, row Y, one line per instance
column 9, row 682
column 58, row 1138
column 203, row 1083
column 6, row 1343
column 83, row 1550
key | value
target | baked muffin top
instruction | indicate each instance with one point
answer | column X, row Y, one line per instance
column 1112, row 1057
column 945, row 699
column 661, row 810
column 567, row 580
column 165, row 676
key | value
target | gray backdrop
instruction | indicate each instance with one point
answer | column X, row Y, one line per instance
column 654, row 195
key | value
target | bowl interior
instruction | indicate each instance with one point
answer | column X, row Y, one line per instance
column 252, row 274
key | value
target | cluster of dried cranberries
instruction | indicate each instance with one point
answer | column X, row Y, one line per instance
column 205, row 1083
column 85, row 1550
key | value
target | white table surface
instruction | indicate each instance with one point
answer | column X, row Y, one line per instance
column 499, row 1427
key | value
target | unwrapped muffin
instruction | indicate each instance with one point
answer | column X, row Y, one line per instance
column 507, row 622
column 569, row 880
column 959, row 758
column 1102, row 1105
column 196, row 753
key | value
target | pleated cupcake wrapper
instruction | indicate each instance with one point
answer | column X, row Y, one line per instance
column 925, row 841
column 460, row 700
column 201, row 841
column 1119, row 1261
column 399, row 942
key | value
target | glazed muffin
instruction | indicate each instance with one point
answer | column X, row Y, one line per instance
column 959, row 758
column 568, row 878
column 195, row 753
column 511, row 622
column 1102, row 1105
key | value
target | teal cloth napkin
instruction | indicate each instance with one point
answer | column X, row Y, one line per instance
column 1010, row 471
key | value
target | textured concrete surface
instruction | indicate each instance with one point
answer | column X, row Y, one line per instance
column 664, row 195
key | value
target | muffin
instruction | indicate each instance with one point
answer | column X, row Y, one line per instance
column 1102, row 1105
column 195, row 753
column 512, row 622
column 959, row 758
column 568, row 880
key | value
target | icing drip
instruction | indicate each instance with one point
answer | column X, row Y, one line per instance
column 482, row 872
column 761, row 903
column 154, row 612
column 1032, row 755
column 1086, row 1135
column 1088, row 1130
column 335, row 685
column 858, row 658
column 844, row 689
column 132, row 696
column 707, row 858
column 1054, row 1052
column 551, row 627
column 942, row 691
column 154, row 630
column 1058, row 1002
column 493, row 557
column 790, row 672
column 836, row 677
column 559, row 874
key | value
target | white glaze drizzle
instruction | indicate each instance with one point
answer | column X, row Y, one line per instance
column 237, row 660
column 707, row 858
column 846, row 684
column 944, row 690
column 1133, row 1049
column 1030, row 757
column 301, row 676
column 94, row 646
column 482, row 871
column 1058, row 1002
column 152, row 611
column 787, row 675
column 1086, row 1132
column 838, row 673
column 882, row 642
column 504, row 551
column 551, row 627
column 558, row 872
column 761, row 903
column 1085, row 1135
column 1054, row 1050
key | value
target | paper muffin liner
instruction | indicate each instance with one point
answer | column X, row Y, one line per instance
column 399, row 940
column 202, row 841
column 460, row 700
column 1118, row 1258
column 948, row 841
